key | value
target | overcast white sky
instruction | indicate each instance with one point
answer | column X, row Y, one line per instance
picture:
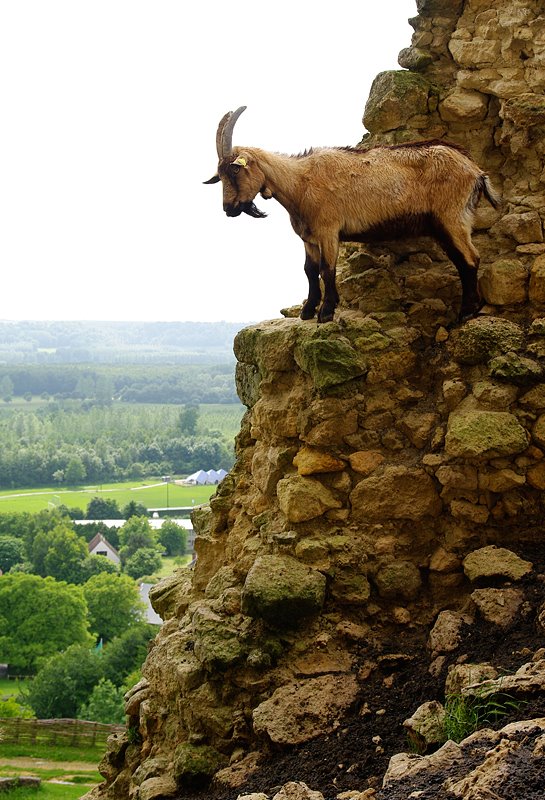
column 109, row 112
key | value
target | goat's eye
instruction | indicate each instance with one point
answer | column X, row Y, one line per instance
column 235, row 169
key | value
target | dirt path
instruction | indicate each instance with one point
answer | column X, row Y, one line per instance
column 42, row 763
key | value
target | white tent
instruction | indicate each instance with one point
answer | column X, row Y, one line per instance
column 213, row 476
column 198, row 478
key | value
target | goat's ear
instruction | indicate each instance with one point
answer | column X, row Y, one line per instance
column 240, row 162
column 214, row 179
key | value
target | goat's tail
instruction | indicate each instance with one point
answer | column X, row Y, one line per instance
column 483, row 186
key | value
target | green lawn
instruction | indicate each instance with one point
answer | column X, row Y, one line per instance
column 49, row 791
column 45, row 752
column 9, row 688
column 152, row 492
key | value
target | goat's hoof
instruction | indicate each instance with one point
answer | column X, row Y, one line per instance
column 468, row 313
column 307, row 313
column 324, row 318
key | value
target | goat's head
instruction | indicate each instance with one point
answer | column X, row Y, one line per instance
column 238, row 171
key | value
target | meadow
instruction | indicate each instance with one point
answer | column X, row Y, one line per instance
column 152, row 493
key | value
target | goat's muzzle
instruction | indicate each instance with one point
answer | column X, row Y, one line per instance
column 248, row 208
column 231, row 210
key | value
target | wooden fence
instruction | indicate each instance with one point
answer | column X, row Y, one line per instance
column 65, row 732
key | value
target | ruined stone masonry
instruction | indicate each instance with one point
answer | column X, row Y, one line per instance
column 378, row 452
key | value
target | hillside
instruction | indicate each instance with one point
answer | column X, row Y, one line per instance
column 35, row 342
column 377, row 548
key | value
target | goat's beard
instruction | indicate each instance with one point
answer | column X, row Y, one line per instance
column 252, row 210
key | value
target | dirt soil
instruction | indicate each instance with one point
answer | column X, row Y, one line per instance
column 42, row 763
column 353, row 758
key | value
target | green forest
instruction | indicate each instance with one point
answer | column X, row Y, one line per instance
column 69, row 443
column 37, row 342
column 128, row 383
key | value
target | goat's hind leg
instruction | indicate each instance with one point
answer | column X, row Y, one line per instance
column 466, row 259
column 312, row 271
column 328, row 261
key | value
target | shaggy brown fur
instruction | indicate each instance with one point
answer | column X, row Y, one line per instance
column 336, row 194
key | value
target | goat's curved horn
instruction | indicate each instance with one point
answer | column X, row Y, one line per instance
column 224, row 135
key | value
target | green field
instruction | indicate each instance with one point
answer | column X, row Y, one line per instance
column 152, row 493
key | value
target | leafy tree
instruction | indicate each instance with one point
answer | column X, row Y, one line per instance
column 12, row 551
column 60, row 553
column 75, row 472
column 127, row 652
column 114, row 604
column 95, row 565
column 39, row 617
column 134, row 509
column 42, row 522
column 189, row 417
column 101, row 508
column 134, row 535
column 65, row 682
column 145, row 561
column 14, row 523
column 105, row 704
column 58, row 476
column 173, row 538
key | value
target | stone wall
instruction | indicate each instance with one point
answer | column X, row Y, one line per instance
column 378, row 451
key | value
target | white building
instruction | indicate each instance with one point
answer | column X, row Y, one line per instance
column 99, row 546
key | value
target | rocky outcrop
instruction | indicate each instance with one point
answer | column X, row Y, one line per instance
column 386, row 463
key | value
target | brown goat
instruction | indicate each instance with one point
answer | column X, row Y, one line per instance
column 348, row 195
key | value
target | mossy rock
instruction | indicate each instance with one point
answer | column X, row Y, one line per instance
column 395, row 97
column 267, row 345
column 194, row 766
column 399, row 580
column 282, row 591
column 247, row 381
column 329, row 358
column 516, row 369
column 485, row 434
column 217, row 646
column 484, row 338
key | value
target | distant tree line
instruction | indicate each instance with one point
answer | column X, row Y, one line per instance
column 128, row 383
column 70, row 444
column 37, row 342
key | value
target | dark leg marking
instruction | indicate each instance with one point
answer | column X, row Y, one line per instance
column 331, row 296
column 472, row 301
column 312, row 272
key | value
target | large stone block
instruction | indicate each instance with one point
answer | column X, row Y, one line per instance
column 481, row 339
column 282, row 591
column 301, row 711
column 504, row 282
column 396, row 493
column 329, row 359
column 464, row 105
column 303, row 498
column 494, row 561
column 395, row 97
column 484, row 434
column 399, row 580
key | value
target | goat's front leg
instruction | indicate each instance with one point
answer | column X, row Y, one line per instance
column 312, row 271
column 328, row 261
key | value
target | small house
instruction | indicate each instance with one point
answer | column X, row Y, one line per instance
column 99, row 546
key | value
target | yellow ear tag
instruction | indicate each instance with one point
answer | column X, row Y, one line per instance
column 240, row 161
